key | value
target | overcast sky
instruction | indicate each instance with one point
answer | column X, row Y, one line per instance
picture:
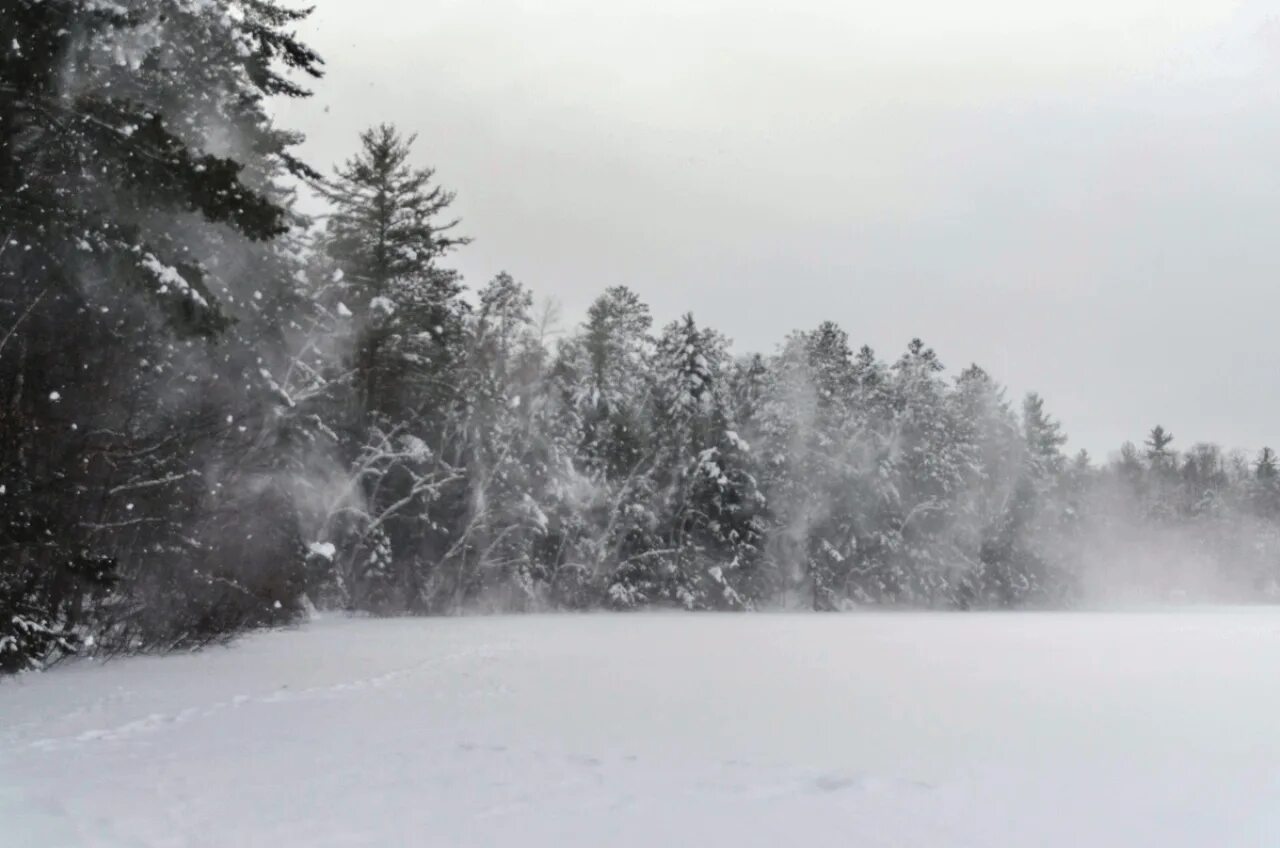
column 1083, row 197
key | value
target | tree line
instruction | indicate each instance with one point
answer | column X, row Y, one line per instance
column 216, row 411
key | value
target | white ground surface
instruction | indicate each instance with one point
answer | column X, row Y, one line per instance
column 1137, row 729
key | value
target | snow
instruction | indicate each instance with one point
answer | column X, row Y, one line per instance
column 170, row 277
column 897, row 729
column 327, row 550
column 415, row 448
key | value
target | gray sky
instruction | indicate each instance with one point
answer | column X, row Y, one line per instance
column 1082, row 197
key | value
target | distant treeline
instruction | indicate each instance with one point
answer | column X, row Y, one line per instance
column 214, row 410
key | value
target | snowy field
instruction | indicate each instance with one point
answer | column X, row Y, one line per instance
column 1091, row 729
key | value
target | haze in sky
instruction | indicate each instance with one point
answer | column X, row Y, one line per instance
column 1081, row 197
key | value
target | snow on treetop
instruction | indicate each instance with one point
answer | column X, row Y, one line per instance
column 323, row 549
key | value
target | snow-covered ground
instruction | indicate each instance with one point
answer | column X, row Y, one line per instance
column 1098, row 729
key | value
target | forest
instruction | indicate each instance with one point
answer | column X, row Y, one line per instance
column 218, row 411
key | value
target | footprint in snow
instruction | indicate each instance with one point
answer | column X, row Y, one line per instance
column 834, row 782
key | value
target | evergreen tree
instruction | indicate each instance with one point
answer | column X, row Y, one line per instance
column 933, row 463
column 604, row 370
column 385, row 238
column 1044, row 440
column 516, row 458
column 604, row 376
column 1265, row 494
column 707, row 493
column 1158, row 441
column 1162, row 489
column 120, row 210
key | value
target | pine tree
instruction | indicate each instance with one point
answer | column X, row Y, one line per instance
column 119, row 205
column 603, row 375
column 1044, row 440
column 784, row 425
column 604, row 370
column 385, row 238
column 1265, row 493
column 933, row 464
column 1162, row 486
column 516, row 457
column 1157, row 443
column 707, row 495
column 819, row 466
column 832, row 487
column 985, row 422
column 386, row 235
